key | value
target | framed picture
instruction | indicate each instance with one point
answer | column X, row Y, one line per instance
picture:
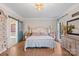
column 73, row 26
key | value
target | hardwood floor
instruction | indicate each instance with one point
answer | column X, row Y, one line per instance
column 18, row 50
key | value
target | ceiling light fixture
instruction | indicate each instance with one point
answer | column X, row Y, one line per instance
column 39, row 6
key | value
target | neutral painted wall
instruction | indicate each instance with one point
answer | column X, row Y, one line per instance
column 68, row 14
column 40, row 22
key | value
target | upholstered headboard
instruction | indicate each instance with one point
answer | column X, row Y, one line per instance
column 40, row 30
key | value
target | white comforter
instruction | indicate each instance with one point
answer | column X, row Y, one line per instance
column 40, row 41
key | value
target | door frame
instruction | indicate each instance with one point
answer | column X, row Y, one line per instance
column 17, row 25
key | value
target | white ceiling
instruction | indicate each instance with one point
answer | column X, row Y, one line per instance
column 27, row 10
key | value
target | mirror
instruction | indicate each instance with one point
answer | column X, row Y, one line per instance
column 73, row 26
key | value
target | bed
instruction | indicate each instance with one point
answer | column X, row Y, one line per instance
column 40, row 40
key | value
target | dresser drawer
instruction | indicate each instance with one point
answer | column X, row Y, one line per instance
column 64, row 45
column 77, row 44
column 73, row 47
column 77, row 52
column 63, row 42
column 77, row 47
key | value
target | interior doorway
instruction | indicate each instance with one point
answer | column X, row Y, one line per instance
column 12, row 29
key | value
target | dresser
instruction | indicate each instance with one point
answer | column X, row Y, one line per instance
column 71, row 44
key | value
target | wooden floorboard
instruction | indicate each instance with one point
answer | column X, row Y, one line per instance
column 18, row 50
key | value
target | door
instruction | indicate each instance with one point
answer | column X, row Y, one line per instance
column 12, row 31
